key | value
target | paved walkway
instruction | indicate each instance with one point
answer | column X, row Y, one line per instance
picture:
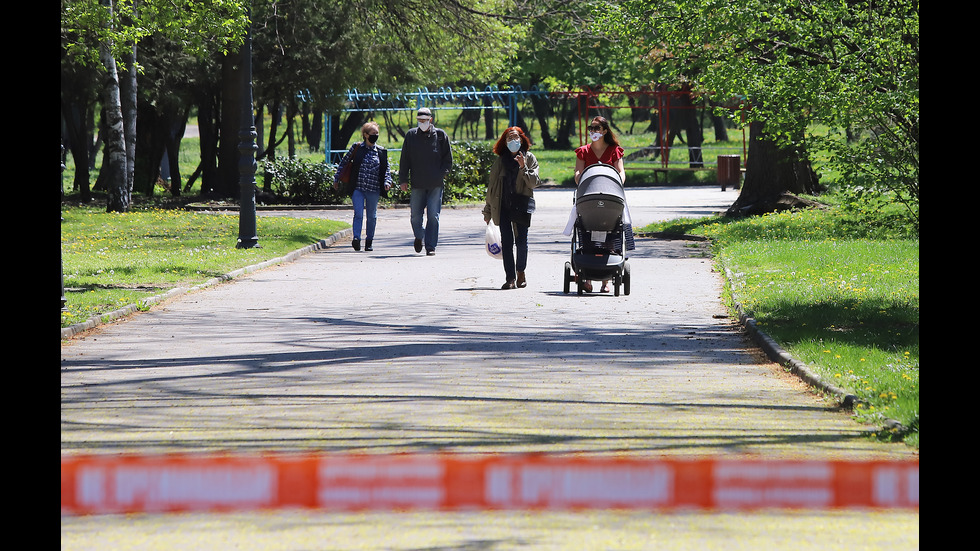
column 393, row 351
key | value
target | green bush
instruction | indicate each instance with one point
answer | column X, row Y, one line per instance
column 467, row 180
column 301, row 182
column 296, row 181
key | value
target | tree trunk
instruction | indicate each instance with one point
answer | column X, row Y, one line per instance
column 489, row 119
column 291, row 127
column 114, row 168
column 151, row 143
column 566, row 122
column 259, row 130
column 304, row 113
column 96, row 145
column 75, row 117
column 542, row 109
column 721, row 131
column 692, row 127
column 274, row 111
column 227, row 185
column 127, row 91
column 676, row 114
column 522, row 124
column 773, row 177
column 207, row 125
column 352, row 123
column 158, row 129
column 316, row 131
column 177, row 128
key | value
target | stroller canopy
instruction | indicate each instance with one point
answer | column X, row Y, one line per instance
column 600, row 198
column 602, row 179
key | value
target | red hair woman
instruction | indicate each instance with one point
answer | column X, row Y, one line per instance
column 510, row 200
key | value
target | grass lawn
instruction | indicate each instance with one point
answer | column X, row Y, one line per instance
column 112, row 260
column 845, row 304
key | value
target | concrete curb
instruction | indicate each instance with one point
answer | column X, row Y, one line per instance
column 68, row 332
column 777, row 354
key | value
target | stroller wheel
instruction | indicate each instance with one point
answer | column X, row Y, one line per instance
column 568, row 277
column 626, row 278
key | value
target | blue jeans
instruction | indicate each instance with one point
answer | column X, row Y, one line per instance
column 429, row 200
column 510, row 235
column 365, row 203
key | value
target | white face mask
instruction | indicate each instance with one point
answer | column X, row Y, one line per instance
column 514, row 145
column 424, row 126
column 595, row 136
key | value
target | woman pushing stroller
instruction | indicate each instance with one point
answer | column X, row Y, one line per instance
column 604, row 149
column 510, row 200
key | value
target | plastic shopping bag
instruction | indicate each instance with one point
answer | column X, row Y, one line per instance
column 493, row 242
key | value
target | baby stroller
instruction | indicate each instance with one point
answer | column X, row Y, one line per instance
column 598, row 235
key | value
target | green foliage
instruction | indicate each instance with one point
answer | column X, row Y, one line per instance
column 467, row 180
column 875, row 173
column 297, row 181
column 201, row 28
column 873, row 212
column 853, row 66
column 564, row 47
column 323, row 47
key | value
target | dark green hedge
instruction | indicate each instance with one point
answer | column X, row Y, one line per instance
column 308, row 182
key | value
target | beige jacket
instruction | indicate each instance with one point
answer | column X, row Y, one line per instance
column 527, row 180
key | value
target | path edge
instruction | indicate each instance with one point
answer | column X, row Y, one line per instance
column 95, row 321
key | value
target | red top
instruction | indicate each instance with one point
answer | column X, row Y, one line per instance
column 609, row 156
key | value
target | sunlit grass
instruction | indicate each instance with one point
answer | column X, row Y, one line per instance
column 112, row 260
column 842, row 299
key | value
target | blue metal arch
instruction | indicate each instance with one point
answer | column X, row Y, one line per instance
column 449, row 98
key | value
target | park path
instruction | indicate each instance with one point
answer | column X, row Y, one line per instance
column 393, row 351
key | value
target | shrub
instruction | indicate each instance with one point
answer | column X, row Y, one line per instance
column 467, row 180
column 296, row 181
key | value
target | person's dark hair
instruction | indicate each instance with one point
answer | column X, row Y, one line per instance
column 610, row 137
column 501, row 146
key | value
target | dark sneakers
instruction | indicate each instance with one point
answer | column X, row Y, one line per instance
column 418, row 248
column 356, row 243
column 367, row 245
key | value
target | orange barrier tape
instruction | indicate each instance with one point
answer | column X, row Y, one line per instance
column 181, row 483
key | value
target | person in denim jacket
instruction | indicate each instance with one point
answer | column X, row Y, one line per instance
column 371, row 178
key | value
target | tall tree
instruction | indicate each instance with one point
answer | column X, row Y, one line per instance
column 103, row 32
column 849, row 64
column 563, row 46
column 321, row 48
column 80, row 87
